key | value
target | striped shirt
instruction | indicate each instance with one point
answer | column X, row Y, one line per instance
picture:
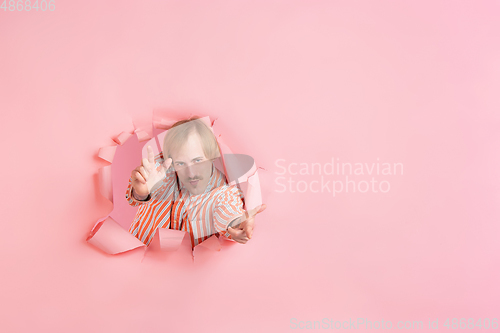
column 172, row 206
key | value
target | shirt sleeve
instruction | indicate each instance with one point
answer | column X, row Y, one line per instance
column 132, row 201
column 229, row 206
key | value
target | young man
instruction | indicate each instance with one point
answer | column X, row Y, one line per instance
column 184, row 191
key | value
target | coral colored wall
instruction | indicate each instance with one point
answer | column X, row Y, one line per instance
column 291, row 82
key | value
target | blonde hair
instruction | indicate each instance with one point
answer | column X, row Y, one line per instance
column 178, row 134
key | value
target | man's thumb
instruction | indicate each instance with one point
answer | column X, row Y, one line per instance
column 248, row 232
column 257, row 210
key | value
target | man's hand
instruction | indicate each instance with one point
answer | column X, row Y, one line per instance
column 243, row 231
column 145, row 176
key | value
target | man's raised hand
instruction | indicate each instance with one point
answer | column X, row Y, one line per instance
column 243, row 231
column 146, row 176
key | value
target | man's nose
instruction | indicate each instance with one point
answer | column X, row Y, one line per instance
column 190, row 171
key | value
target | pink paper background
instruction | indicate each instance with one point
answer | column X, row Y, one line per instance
column 414, row 82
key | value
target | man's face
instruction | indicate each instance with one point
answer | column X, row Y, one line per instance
column 192, row 166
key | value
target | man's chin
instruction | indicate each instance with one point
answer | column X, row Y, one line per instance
column 196, row 189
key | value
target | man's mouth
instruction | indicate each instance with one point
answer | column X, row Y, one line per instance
column 194, row 182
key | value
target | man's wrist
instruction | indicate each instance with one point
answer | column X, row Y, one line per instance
column 140, row 198
column 232, row 223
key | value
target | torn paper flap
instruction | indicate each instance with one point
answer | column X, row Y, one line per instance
column 162, row 122
column 211, row 243
column 143, row 128
column 105, row 184
column 253, row 195
column 107, row 153
column 238, row 167
column 111, row 238
column 142, row 135
column 123, row 137
column 170, row 240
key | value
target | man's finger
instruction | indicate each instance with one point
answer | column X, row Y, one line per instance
column 137, row 176
column 143, row 172
column 259, row 209
column 232, row 232
column 151, row 155
column 241, row 240
column 242, row 235
column 148, row 166
column 256, row 211
column 248, row 231
column 237, row 235
column 236, row 232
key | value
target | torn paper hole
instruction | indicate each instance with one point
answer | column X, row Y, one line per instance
column 193, row 203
